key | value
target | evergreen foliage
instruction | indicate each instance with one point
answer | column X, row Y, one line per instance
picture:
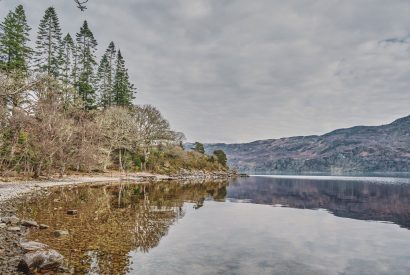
column 106, row 73
column 48, row 54
column 14, row 37
column 123, row 89
column 69, row 57
column 199, row 147
column 87, row 47
column 221, row 157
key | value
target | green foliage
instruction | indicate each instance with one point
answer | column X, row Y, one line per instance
column 123, row 89
column 106, row 72
column 69, row 67
column 221, row 157
column 48, row 54
column 199, row 147
column 14, row 38
column 87, row 47
column 172, row 158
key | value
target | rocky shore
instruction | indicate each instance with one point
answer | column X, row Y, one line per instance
column 19, row 256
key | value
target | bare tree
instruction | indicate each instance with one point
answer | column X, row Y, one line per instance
column 81, row 4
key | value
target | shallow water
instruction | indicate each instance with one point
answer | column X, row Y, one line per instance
column 265, row 225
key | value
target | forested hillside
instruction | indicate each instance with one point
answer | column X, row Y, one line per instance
column 62, row 108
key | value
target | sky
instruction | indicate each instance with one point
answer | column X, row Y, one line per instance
column 239, row 70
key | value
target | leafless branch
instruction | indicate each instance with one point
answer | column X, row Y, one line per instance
column 81, row 4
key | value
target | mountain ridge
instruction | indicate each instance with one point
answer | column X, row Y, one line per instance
column 357, row 149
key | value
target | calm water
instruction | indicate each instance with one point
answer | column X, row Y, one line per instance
column 256, row 225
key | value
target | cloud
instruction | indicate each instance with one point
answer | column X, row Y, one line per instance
column 239, row 70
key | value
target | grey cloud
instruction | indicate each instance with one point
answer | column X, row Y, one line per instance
column 225, row 70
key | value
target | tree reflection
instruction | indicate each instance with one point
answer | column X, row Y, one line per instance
column 113, row 220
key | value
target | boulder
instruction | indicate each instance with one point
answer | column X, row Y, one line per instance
column 33, row 246
column 13, row 220
column 60, row 233
column 46, row 259
column 14, row 229
column 29, row 223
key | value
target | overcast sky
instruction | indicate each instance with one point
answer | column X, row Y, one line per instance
column 241, row 70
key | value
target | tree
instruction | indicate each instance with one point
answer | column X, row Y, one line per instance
column 199, row 147
column 123, row 89
column 87, row 46
column 14, row 37
column 221, row 157
column 149, row 128
column 68, row 48
column 115, row 126
column 48, row 55
column 103, row 84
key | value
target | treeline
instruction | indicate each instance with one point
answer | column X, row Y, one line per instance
column 63, row 109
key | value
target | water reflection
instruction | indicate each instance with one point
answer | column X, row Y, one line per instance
column 364, row 200
column 112, row 220
column 177, row 228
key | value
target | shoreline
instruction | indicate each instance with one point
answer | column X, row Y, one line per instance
column 12, row 191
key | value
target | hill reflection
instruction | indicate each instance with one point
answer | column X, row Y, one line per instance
column 352, row 199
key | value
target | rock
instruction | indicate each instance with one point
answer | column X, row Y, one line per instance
column 43, row 226
column 3, row 225
column 60, row 233
column 13, row 220
column 47, row 259
column 72, row 212
column 33, row 246
column 14, row 229
column 29, row 223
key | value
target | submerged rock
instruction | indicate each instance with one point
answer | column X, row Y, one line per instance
column 29, row 223
column 60, row 233
column 72, row 212
column 43, row 226
column 13, row 220
column 46, row 259
column 33, row 246
column 14, row 229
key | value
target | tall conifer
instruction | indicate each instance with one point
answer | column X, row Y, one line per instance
column 106, row 73
column 69, row 57
column 87, row 46
column 14, row 37
column 48, row 45
column 123, row 89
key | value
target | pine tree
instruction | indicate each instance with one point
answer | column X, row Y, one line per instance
column 123, row 89
column 87, row 46
column 69, row 56
column 106, row 72
column 14, row 37
column 103, row 85
column 48, row 45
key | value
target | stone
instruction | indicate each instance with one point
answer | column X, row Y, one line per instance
column 33, row 246
column 43, row 226
column 72, row 212
column 14, row 229
column 29, row 223
column 13, row 220
column 47, row 259
column 3, row 225
column 60, row 233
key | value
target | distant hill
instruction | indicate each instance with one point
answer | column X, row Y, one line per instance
column 359, row 149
